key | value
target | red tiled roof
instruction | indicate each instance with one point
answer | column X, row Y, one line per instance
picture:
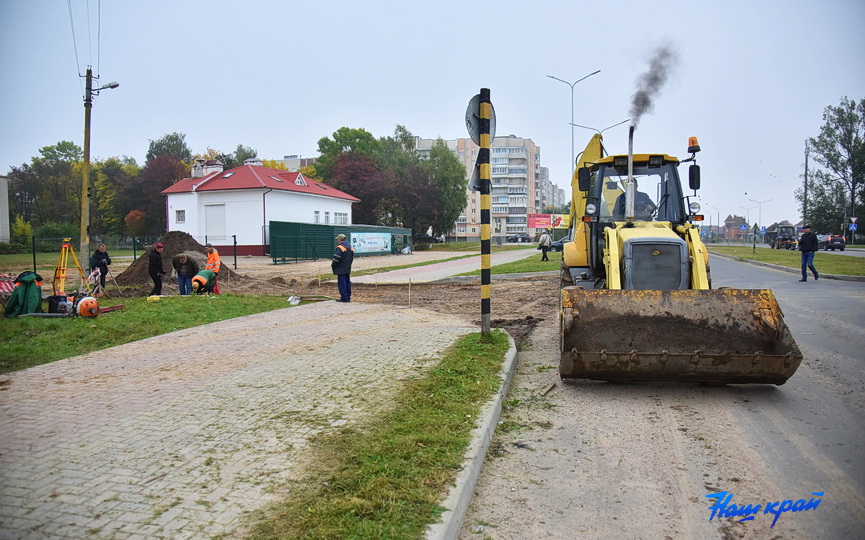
column 257, row 177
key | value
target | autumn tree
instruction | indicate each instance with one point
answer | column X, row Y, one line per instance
column 274, row 164
column 357, row 175
column 115, row 191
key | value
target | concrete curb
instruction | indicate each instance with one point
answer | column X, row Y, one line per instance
column 459, row 497
column 838, row 277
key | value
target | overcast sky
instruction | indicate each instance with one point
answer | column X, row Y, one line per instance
column 751, row 78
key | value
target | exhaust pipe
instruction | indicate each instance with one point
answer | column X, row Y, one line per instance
column 630, row 188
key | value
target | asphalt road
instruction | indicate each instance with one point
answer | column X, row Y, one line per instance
column 589, row 459
column 811, row 431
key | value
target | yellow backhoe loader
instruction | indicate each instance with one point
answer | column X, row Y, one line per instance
column 637, row 300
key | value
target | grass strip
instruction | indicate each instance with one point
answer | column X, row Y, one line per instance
column 846, row 265
column 32, row 341
column 386, row 477
column 530, row 264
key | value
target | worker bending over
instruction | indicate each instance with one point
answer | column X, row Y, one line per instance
column 204, row 282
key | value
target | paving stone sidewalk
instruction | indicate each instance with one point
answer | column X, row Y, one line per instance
column 182, row 435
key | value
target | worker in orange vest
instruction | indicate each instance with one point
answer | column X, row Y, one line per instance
column 213, row 264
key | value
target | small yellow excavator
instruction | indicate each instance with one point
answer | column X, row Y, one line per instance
column 637, row 301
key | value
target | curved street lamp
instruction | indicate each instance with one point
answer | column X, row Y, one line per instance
column 601, row 131
column 573, row 163
column 85, row 182
column 760, row 211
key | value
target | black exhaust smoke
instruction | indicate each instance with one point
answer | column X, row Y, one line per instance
column 650, row 83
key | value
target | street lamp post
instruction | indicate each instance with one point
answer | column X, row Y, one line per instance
column 718, row 224
column 748, row 213
column 600, row 131
column 571, row 166
column 760, row 211
column 747, row 219
column 85, row 181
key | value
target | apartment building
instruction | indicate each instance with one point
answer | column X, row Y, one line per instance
column 520, row 186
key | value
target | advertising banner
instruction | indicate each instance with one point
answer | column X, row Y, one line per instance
column 371, row 242
column 539, row 221
column 561, row 221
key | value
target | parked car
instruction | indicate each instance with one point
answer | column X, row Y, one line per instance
column 428, row 239
column 833, row 242
column 520, row 238
column 559, row 244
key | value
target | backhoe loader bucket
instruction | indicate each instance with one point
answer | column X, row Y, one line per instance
column 711, row 336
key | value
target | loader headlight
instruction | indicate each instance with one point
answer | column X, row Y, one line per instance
column 694, row 207
column 591, row 209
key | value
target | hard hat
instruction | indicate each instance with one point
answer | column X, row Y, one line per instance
column 195, row 286
column 87, row 307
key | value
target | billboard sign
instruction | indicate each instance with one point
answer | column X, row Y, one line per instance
column 371, row 242
column 539, row 221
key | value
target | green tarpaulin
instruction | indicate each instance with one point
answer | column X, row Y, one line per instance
column 27, row 296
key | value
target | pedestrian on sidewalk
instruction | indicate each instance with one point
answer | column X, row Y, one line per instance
column 544, row 243
column 808, row 246
column 155, row 269
column 186, row 268
column 343, row 256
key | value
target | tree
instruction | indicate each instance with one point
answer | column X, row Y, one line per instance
column 111, row 181
column 173, row 144
column 235, row 159
column 242, row 153
column 359, row 141
column 840, row 151
column 448, row 179
column 274, row 164
column 136, row 223
column 159, row 174
column 49, row 188
column 357, row 175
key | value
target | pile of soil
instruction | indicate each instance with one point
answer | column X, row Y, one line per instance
column 175, row 242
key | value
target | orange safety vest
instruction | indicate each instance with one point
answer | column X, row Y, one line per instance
column 213, row 261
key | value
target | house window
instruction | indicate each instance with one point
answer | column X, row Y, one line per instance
column 326, row 218
column 180, row 216
column 340, row 218
column 316, row 217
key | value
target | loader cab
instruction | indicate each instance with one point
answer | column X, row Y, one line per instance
column 659, row 190
column 659, row 195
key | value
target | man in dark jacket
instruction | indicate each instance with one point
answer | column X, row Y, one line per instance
column 808, row 246
column 186, row 268
column 155, row 269
column 100, row 260
column 343, row 256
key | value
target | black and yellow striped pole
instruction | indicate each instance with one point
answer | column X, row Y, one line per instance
column 485, row 187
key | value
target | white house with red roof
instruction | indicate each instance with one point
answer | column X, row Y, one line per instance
column 214, row 205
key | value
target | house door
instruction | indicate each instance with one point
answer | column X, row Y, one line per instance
column 214, row 222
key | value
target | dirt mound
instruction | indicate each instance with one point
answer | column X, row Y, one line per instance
column 175, row 242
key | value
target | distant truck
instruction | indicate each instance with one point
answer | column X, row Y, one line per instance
column 783, row 237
